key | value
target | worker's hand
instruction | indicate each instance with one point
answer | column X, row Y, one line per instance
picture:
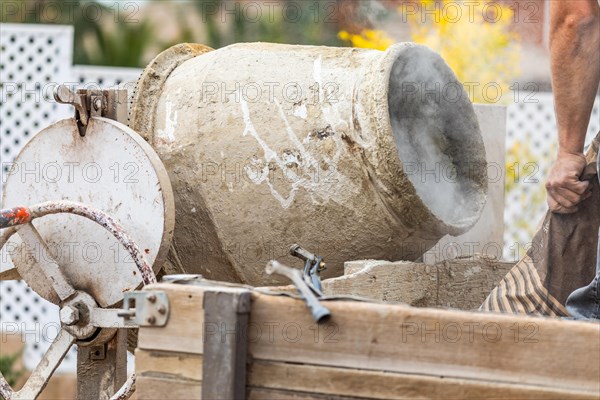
column 564, row 188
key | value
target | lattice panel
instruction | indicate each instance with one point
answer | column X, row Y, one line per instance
column 532, row 143
column 33, row 59
column 91, row 77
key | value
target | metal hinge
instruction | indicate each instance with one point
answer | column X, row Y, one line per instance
column 146, row 308
column 88, row 103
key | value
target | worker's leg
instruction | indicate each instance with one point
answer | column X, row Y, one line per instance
column 584, row 303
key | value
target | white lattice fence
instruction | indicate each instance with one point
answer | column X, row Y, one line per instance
column 33, row 59
column 531, row 147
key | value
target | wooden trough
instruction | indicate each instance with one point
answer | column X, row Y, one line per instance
column 230, row 341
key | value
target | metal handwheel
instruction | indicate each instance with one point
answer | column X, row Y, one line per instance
column 99, row 189
column 83, row 321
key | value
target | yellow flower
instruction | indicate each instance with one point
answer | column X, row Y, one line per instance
column 368, row 39
column 479, row 51
column 483, row 53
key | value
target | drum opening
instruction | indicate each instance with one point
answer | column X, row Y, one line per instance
column 437, row 136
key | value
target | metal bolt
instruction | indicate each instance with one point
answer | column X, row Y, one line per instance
column 97, row 103
column 151, row 320
column 162, row 310
column 151, row 297
column 98, row 353
column 69, row 315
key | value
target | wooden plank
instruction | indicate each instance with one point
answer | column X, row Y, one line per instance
column 508, row 349
column 285, row 380
column 278, row 394
column 182, row 366
column 460, row 283
column 465, row 283
column 184, row 330
column 224, row 357
column 396, row 338
column 10, row 275
column 282, row 394
column 101, row 377
column 402, row 281
column 172, row 389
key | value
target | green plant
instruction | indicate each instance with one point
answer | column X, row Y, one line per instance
column 123, row 46
column 128, row 33
column 105, row 34
column 8, row 370
column 305, row 22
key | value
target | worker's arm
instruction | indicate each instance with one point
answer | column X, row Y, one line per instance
column 575, row 58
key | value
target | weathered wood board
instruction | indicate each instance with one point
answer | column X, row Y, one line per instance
column 272, row 380
column 461, row 283
column 168, row 375
column 374, row 350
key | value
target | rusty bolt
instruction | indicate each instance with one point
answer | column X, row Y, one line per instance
column 151, row 297
column 162, row 310
column 151, row 320
column 69, row 315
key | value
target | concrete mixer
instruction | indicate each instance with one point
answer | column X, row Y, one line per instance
column 351, row 153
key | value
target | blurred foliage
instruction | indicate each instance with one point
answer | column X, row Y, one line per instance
column 103, row 35
column 8, row 369
column 478, row 45
column 286, row 21
column 124, row 46
column 478, row 49
column 129, row 34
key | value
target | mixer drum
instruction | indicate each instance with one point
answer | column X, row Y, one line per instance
column 351, row 153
